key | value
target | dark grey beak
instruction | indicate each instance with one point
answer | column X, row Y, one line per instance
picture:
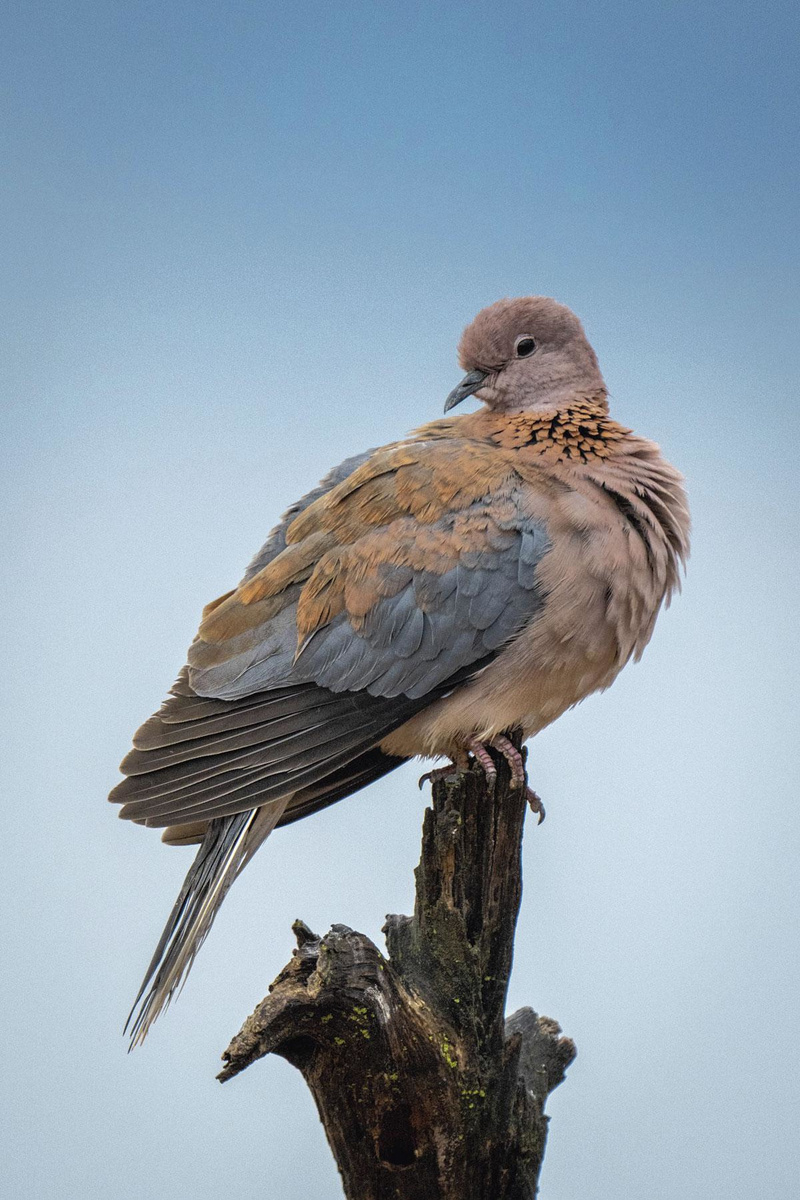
column 469, row 384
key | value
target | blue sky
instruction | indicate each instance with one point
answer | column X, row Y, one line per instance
column 241, row 242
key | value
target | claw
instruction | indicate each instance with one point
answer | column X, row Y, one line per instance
column 535, row 803
column 437, row 773
column 456, row 766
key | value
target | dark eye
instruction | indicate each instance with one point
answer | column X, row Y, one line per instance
column 525, row 346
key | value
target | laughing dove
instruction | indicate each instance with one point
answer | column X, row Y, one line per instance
column 483, row 575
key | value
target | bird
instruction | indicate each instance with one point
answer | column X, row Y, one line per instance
column 480, row 576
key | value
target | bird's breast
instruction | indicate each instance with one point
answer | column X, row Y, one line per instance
column 603, row 581
column 568, row 651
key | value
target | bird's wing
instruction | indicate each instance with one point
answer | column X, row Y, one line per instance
column 390, row 588
column 358, row 773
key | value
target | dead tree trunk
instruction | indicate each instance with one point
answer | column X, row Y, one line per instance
column 425, row 1091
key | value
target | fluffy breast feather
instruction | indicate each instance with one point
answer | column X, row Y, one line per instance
column 618, row 524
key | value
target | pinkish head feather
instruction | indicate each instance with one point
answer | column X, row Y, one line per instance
column 534, row 353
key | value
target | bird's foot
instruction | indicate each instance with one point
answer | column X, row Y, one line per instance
column 504, row 746
column 516, row 762
column 457, row 766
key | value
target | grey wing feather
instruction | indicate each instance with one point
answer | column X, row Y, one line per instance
column 266, row 746
column 472, row 611
column 404, row 650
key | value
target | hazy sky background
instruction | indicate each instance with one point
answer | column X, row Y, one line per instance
column 240, row 241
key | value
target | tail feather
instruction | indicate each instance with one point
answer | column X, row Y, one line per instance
column 228, row 845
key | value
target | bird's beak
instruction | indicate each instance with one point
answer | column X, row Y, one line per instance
column 469, row 384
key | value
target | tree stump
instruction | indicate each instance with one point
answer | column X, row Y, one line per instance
column 425, row 1090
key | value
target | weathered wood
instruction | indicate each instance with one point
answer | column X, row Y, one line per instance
column 425, row 1091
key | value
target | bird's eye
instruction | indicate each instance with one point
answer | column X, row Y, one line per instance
column 525, row 346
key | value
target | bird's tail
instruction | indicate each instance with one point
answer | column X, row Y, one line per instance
column 227, row 847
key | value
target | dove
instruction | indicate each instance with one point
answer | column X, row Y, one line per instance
column 482, row 575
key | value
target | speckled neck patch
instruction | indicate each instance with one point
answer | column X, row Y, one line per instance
column 579, row 433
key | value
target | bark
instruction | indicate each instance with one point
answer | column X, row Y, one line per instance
column 425, row 1090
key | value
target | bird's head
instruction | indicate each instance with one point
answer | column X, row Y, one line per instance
column 525, row 354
